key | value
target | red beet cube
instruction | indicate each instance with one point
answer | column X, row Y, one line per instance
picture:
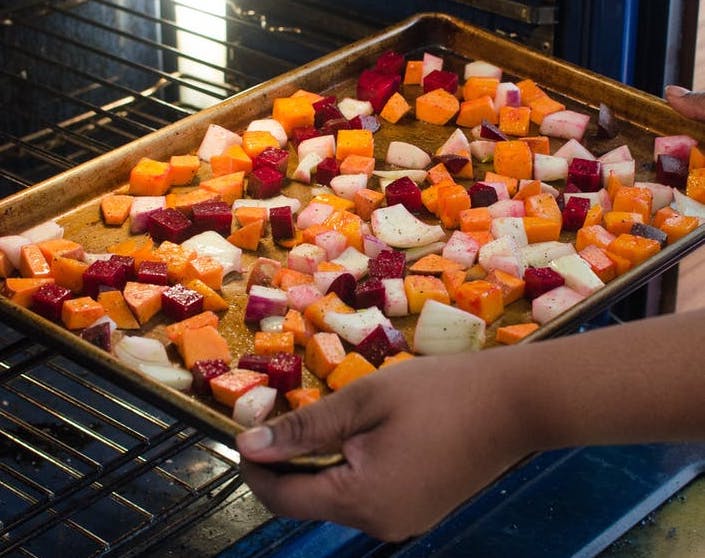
column 441, row 79
column 128, row 262
column 204, row 371
column 179, row 303
column 169, row 224
column 254, row 362
column 651, row 232
column 390, row 62
column 303, row 133
column 454, row 163
column 212, row 215
column 381, row 342
column 264, row 182
column 585, row 174
column 326, row 170
column 482, row 195
column 377, row 88
column 344, row 286
column 48, row 300
column 284, row 371
column 671, row 170
column 370, row 292
column 365, row 122
column 272, row 157
column 388, row 264
column 491, row 132
column 281, row 221
column 574, row 213
column 404, row 191
column 154, row 273
column 540, row 280
column 108, row 273
column 326, row 109
column 99, row 335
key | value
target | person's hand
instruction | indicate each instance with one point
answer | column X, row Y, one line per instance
column 690, row 104
column 418, row 440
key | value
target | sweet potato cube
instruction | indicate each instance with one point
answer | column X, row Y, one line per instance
column 229, row 187
column 203, row 343
column 324, row 351
column 79, row 313
column 482, row 298
column 248, row 236
column 420, row 288
column 175, row 330
column 513, row 158
column 143, row 299
column 117, row 309
column 413, row 72
column 352, row 367
column 302, row 329
column 184, row 169
column 150, row 178
column 475, row 219
column 514, row 121
column 433, row 264
column 437, row 107
column 211, row 299
column 115, row 208
column 473, row 112
column 599, row 262
column 227, row 388
column 366, row 201
column 511, row 285
column 395, row 108
column 634, row 248
column 354, row 142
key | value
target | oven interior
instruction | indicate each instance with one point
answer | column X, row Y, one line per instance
column 93, row 468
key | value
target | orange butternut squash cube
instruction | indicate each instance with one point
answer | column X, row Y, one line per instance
column 482, row 298
column 452, row 200
column 184, row 169
column 599, row 262
column 175, row 330
column 633, row 199
column 677, row 226
column 351, row 368
column 695, row 184
column 229, row 387
column 293, row 112
column 184, row 201
column 324, row 351
column 21, row 289
column 530, row 91
column 117, row 309
column 33, row 263
column 514, row 158
column 511, row 285
column 207, row 269
column 413, row 72
column 476, row 87
column 366, row 201
column 511, row 182
column 542, row 106
column 475, row 219
column 420, row 288
column 232, row 160
column 395, row 108
column 593, row 234
column 68, row 273
column 79, row 313
column 437, row 107
column 211, row 299
column 401, row 356
column 540, row 229
column 302, row 329
column 354, row 142
column 474, row 111
column 299, row 397
column 357, row 164
column 511, row 334
column 115, row 208
column 150, row 178
column 248, row 236
column 203, row 343
column 696, row 158
column 256, row 141
column 514, row 121
column 538, row 144
column 618, row 222
column 316, row 311
column 229, row 187
column 543, row 205
column 270, row 342
column 634, row 248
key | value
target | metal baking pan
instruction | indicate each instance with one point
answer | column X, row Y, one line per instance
column 72, row 197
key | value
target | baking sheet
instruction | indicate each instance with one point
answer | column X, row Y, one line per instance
column 72, row 197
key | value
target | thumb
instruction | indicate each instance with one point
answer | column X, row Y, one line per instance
column 690, row 104
column 319, row 427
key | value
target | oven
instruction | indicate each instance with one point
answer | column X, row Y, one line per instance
column 93, row 470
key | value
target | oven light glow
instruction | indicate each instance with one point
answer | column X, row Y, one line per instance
column 201, row 35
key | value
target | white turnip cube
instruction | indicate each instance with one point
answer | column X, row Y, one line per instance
column 572, row 149
column 313, row 214
column 11, row 246
column 510, row 226
column 407, row 155
column 625, row 171
column 553, row 303
column 621, row 153
column 429, row 63
column 254, row 405
column 49, row 230
column 323, row 146
column 500, row 188
column 577, row 273
column 443, row 329
column 333, row 242
column 299, row 297
column 353, row 261
column 507, row 95
column 277, row 201
column 398, row 228
column 355, row 326
column 550, row 167
column 140, row 210
column 501, row 252
column 566, row 124
column 345, row 185
column 305, row 257
column 456, row 144
column 662, row 195
column 688, row 206
column 480, row 68
column 350, row 108
column 372, row 245
column 483, row 150
column 545, row 188
column 396, row 303
column 324, row 279
column 306, row 168
column 540, row 254
column 507, row 208
column 677, row 146
column 601, row 197
column 461, row 248
column 210, row 243
column 216, row 140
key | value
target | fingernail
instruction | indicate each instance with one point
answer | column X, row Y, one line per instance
column 255, row 439
column 676, row 90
